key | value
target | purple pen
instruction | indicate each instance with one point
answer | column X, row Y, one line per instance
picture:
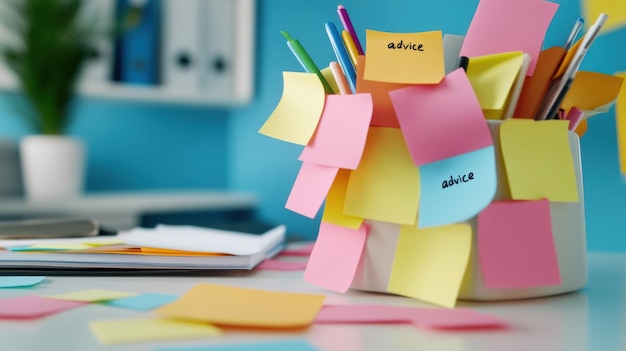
column 347, row 25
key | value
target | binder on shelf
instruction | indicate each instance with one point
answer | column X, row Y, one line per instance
column 139, row 45
column 99, row 69
column 181, row 45
column 217, row 61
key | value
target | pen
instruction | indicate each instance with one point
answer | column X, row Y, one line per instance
column 342, row 55
column 349, row 43
column 572, row 36
column 339, row 78
column 305, row 60
column 347, row 24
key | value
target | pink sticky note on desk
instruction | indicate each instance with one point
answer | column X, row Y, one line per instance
column 341, row 132
column 32, row 306
column 516, row 246
column 504, row 26
column 310, row 188
column 441, row 121
column 335, row 257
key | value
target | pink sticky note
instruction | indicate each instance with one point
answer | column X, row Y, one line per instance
column 335, row 257
column 422, row 317
column 279, row 265
column 516, row 246
column 505, row 26
column 341, row 132
column 32, row 306
column 310, row 188
column 304, row 250
column 441, row 121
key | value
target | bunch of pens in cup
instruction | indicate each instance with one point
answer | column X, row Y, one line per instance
column 429, row 153
column 541, row 93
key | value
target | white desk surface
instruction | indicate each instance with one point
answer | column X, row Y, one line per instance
column 593, row 318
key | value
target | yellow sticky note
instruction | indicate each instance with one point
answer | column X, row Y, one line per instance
column 110, row 332
column 492, row 77
column 60, row 246
column 299, row 110
column 408, row 58
column 430, row 263
column 333, row 209
column 234, row 306
column 591, row 90
column 386, row 185
column 92, row 295
column 330, row 78
column 538, row 160
column 620, row 116
column 615, row 9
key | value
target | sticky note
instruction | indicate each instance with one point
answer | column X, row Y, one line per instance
column 92, row 295
column 335, row 257
column 32, row 306
column 277, row 345
column 341, row 133
column 298, row 112
column 504, row 26
column 310, row 188
column 20, row 281
column 538, row 160
column 620, row 117
column 385, row 187
column 616, row 10
column 591, row 90
column 407, row 58
column 516, row 245
column 143, row 302
column 441, row 121
column 430, row 263
column 280, row 265
column 235, row 306
column 333, row 208
column 383, row 113
column 492, row 77
column 111, row 332
column 457, row 188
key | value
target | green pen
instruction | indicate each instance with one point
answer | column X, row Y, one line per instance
column 305, row 60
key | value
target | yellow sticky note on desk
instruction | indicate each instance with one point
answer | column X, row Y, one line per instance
column 407, row 58
column 538, row 160
column 430, row 263
column 92, row 295
column 299, row 110
column 235, row 306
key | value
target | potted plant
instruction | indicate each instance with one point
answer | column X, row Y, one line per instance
column 48, row 43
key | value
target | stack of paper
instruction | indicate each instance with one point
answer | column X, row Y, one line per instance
column 164, row 248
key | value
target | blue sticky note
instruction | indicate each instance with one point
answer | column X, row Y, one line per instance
column 457, row 188
column 20, row 281
column 282, row 345
column 143, row 302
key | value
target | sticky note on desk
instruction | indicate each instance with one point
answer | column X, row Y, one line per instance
column 298, row 112
column 516, row 245
column 92, row 295
column 538, row 160
column 20, row 281
column 32, row 306
column 278, row 345
column 441, row 121
column 407, row 58
column 504, row 26
column 235, row 306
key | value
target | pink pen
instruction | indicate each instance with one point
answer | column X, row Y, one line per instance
column 347, row 25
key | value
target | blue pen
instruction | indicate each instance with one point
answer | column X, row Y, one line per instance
column 342, row 55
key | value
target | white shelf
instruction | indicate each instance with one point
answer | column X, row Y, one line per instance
column 236, row 89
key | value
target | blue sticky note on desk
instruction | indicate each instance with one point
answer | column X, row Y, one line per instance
column 281, row 345
column 143, row 302
column 20, row 281
column 456, row 189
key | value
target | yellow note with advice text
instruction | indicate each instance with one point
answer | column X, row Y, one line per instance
column 538, row 160
column 407, row 58
column 430, row 263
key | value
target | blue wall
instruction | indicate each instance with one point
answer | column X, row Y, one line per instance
column 144, row 146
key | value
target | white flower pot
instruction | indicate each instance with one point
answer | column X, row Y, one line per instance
column 53, row 167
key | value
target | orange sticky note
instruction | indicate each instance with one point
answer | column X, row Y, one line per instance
column 299, row 110
column 234, row 306
column 407, row 58
column 591, row 90
column 386, row 185
column 538, row 160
